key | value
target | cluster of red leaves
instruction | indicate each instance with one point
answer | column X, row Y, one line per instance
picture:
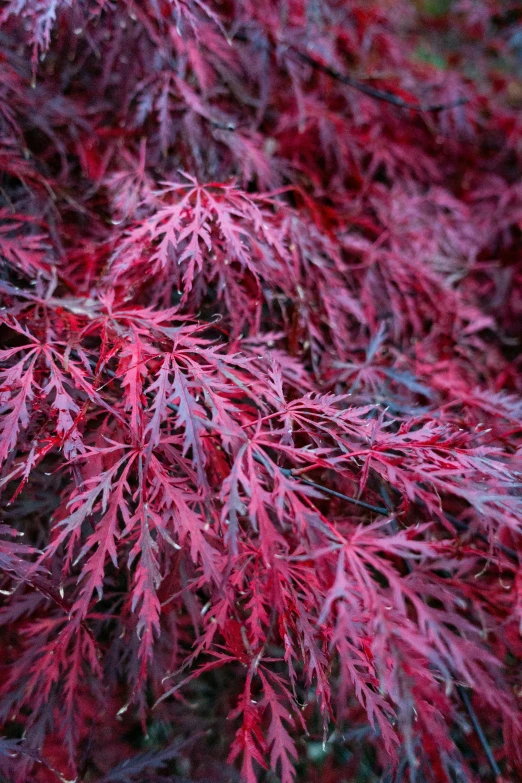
column 260, row 390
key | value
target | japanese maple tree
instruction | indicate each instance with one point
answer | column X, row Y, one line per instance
column 260, row 391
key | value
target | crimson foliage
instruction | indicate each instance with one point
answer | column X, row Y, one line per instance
column 260, row 390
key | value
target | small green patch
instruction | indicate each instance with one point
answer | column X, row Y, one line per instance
column 436, row 7
column 426, row 55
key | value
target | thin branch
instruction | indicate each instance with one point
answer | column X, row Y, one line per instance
column 464, row 695
column 334, row 493
column 463, row 527
column 460, row 526
column 373, row 92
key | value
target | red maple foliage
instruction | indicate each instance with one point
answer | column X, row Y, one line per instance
column 261, row 284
